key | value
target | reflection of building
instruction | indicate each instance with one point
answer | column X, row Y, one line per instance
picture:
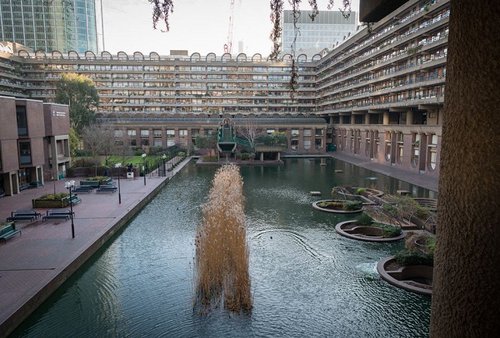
column 327, row 29
column 379, row 94
column 37, row 149
column 50, row 25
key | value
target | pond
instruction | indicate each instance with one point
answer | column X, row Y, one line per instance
column 306, row 279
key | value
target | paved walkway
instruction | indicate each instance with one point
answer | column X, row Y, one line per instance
column 426, row 182
column 34, row 264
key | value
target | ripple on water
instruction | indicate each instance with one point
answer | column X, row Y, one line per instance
column 306, row 279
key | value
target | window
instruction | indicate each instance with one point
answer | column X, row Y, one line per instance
column 157, row 133
column 22, row 121
column 144, row 132
column 131, row 132
column 294, row 144
column 171, row 132
column 307, row 144
column 183, row 133
column 295, row 133
column 307, row 132
column 157, row 142
column 24, row 153
column 118, row 133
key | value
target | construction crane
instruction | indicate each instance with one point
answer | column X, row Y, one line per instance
column 228, row 46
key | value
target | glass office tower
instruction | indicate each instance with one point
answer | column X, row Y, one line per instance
column 50, row 25
column 312, row 36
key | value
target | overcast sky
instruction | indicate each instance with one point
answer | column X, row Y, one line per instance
column 196, row 25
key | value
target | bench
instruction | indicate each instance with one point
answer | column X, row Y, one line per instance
column 84, row 188
column 106, row 188
column 8, row 231
column 57, row 214
column 23, row 215
column 75, row 199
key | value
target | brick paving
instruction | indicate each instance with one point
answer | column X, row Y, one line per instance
column 34, row 264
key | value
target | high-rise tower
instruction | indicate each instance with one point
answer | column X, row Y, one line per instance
column 50, row 25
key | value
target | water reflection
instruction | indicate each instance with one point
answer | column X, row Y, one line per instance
column 306, row 280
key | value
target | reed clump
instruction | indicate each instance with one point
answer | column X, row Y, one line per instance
column 222, row 274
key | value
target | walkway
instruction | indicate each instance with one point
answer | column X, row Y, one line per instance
column 426, row 182
column 34, row 264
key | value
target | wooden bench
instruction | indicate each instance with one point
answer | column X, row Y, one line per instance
column 75, row 199
column 57, row 214
column 8, row 231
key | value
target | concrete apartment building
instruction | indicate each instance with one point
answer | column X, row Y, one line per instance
column 376, row 96
column 34, row 143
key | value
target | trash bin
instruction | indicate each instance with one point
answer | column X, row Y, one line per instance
column 130, row 175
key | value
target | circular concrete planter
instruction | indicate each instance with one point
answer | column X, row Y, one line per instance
column 364, row 232
column 335, row 211
column 414, row 278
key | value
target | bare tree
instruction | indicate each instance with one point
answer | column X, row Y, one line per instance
column 249, row 132
column 98, row 140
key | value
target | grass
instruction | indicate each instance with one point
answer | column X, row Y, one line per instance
column 222, row 274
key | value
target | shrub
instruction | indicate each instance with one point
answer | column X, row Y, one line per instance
column 54, row 197
column 181, row 154
column 389, row 230
column 364, row 219
column 406, row 257
column 352, row 205
column 360, row 191
column 210, row 158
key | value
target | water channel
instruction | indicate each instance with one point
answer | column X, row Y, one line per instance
column 306, row 279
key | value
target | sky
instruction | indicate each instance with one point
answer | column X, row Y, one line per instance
column 196, row 25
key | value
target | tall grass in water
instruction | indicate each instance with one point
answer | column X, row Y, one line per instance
column 221, row 248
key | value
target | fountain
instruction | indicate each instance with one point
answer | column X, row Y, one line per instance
column 306, row 281
column 221, row 248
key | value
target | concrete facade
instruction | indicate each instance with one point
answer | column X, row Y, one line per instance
column 380, row 92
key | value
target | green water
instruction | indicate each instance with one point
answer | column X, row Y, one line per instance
column 306, row 279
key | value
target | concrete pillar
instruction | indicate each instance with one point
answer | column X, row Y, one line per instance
column 466, row 296
column 262, row 157
column 367, row 118
column 279, row 156
column 385, row 120
column 409, row 117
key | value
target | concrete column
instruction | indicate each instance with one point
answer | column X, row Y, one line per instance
column 367, row 118
column 262, row 157
column 385, row 120
column 409, row 117
column 466, row 296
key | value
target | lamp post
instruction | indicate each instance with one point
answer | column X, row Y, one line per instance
column 164, row 158
column 118, row 166
column 144, row 166
column 70, row 185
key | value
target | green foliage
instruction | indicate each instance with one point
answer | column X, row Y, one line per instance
column 360, row 191
column 54, row 197
column 406, row 257
column 205, row 142
column 364, row 219
column 210, row 158
column 85, row 162
column 181, row 154
column 74, row 142
column 275, row 139
column 341, row 205
column 389, row 230
column 80, row 93
column 246, row 156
